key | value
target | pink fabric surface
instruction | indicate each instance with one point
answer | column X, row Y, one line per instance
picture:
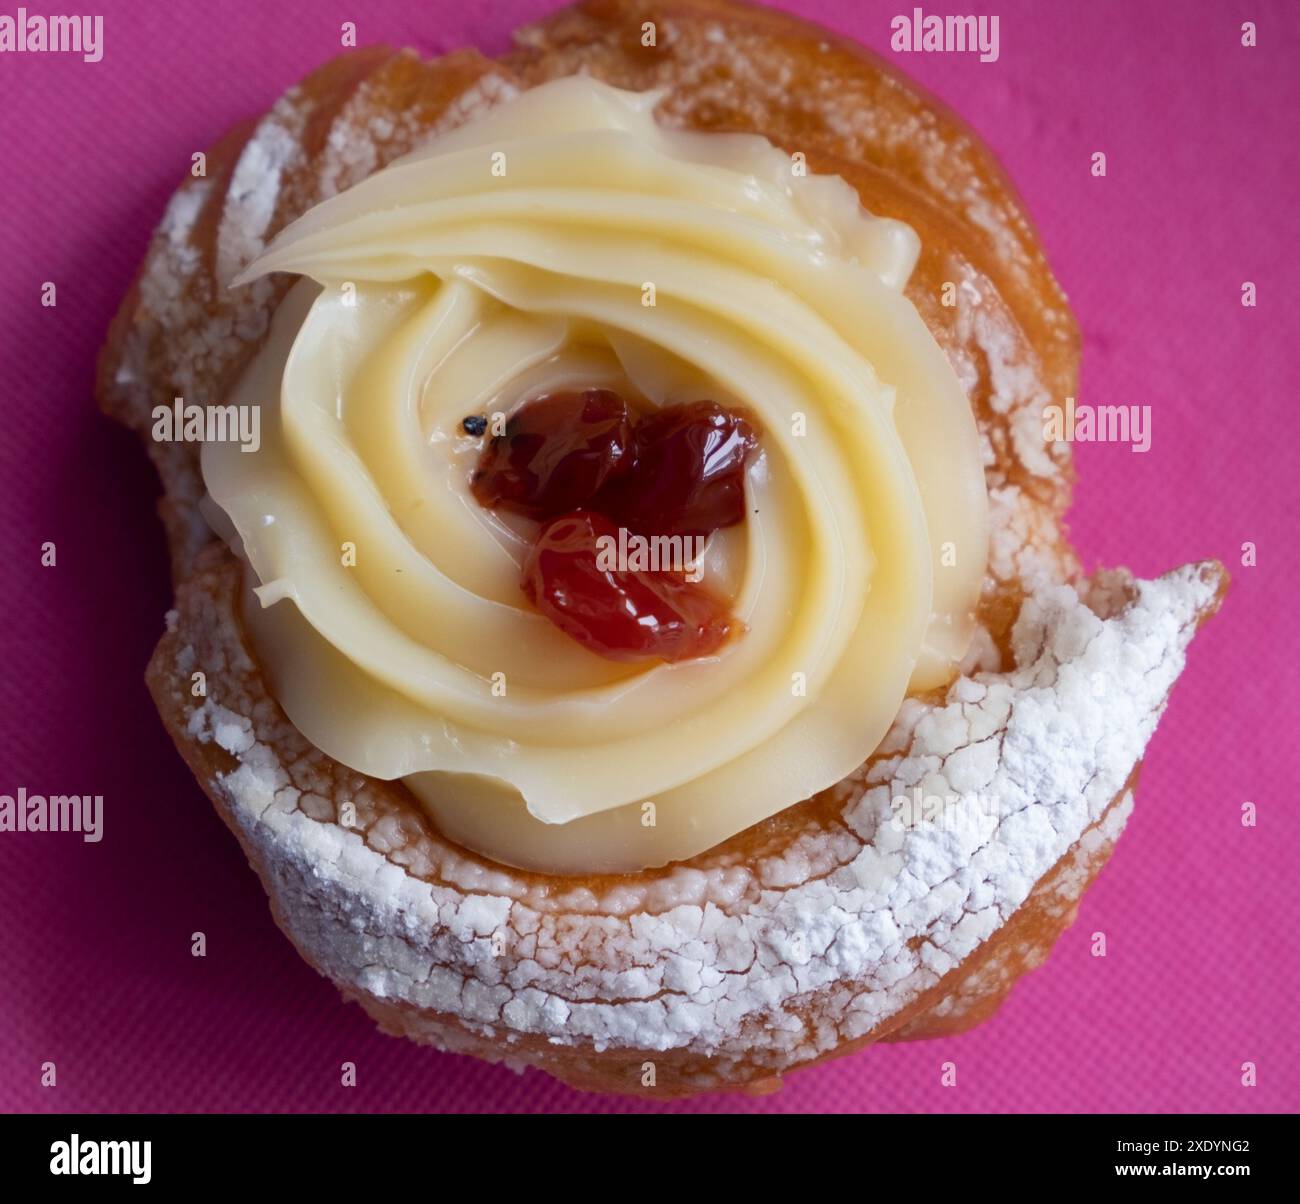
column 1202, row 973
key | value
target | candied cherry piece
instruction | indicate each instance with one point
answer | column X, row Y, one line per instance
column 557, row 451
column 625, row 616
column 689, row 473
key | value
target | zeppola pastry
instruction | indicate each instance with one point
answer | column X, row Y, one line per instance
column 622, row 602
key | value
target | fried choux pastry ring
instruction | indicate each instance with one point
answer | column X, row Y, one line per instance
column 688, row 271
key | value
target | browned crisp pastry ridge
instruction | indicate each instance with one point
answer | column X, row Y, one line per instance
column 832, row 924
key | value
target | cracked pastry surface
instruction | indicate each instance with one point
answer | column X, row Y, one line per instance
column 840, row 921
column 854, row 920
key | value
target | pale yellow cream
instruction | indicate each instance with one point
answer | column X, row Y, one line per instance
column 518, row 255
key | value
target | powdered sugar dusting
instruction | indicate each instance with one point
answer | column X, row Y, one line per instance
column 865, row 915
column 254, row 190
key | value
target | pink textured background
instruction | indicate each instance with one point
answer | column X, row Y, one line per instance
column 1200, row 913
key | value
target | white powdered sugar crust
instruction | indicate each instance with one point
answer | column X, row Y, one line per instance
column 1010, row 773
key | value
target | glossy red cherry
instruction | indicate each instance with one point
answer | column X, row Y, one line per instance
column 557, row 451
column 689, row 472
column 571, row 577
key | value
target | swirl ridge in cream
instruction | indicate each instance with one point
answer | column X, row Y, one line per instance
column 566, row 240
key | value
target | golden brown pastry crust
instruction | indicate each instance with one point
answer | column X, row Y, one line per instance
column 724, row 66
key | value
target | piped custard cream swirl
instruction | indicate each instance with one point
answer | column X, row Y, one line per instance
column 511, row 258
